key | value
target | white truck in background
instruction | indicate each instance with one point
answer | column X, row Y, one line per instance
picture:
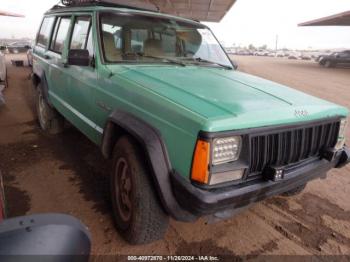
column 3, row 76
column 3, row 70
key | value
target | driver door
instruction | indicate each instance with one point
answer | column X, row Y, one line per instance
column 82, row 80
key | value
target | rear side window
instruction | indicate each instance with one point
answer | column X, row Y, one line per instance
column 61, row 32
column 45, row 31
column 80, row 33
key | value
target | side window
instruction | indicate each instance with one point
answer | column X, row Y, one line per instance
column 61, row 32
column 80, row 33
column 138, row 37
column 112, row 41
column 45, row 31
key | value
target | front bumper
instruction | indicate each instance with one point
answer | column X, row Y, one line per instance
column 206, row 202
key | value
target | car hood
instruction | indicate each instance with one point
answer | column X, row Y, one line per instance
column 229, row 99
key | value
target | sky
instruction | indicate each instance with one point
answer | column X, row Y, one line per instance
column 256, row 22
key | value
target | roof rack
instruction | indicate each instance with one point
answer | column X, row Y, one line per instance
column 138, row 5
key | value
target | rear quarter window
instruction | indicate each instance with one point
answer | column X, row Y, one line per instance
column 45, row 31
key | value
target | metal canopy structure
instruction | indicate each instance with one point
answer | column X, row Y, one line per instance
column 342, row 19
column 3, row 13
column 201, row 10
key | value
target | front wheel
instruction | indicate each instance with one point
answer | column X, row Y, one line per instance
column 139, row 216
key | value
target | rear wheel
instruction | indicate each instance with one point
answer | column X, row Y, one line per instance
column 295, row 191
column 49, row 119
column 139, row 216
column 328, row 64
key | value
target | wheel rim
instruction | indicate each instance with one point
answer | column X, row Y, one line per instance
column 123, row 186
column 42, row 112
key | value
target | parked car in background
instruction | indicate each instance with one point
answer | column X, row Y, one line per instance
column 304, row 56
column 188, row 136
column 30, row 57
column 280, row 54
column 335, row 59
column 294, row 56
column 261, row 53
column 19, row 47
column 3, row 68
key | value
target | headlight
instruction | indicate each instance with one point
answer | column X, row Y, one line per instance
column 226, row 150
column 341, row 136
column 215, row 152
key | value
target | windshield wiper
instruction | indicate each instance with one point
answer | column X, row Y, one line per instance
column 171, row 61
column 201, row 60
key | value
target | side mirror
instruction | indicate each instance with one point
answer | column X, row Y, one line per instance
column 78, row 57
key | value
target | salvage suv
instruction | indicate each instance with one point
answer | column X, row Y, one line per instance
column 188, row 135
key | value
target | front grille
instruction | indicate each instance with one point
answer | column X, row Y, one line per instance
column 291, row 146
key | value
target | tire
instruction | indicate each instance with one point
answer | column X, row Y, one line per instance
column 49, row 119
column 295, row 191
column 6, row 82
column 328, row 64
column 138, row 214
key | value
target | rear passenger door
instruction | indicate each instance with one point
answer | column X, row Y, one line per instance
column 82, row 80
column 57, row 57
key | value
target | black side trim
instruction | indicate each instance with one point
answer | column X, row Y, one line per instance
column 44, row 85
column 157, row 154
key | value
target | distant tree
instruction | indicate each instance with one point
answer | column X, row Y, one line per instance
column 264, row 47
column 251, row 47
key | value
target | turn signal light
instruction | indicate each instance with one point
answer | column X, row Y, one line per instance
column 200, row 166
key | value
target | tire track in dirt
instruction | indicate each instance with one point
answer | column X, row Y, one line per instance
column 307, row 227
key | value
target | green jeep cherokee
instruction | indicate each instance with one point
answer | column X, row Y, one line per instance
column 189, row 136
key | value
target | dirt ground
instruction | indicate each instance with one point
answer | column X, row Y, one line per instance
column 66, row 174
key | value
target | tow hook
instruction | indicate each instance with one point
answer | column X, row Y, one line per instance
column 344, row 158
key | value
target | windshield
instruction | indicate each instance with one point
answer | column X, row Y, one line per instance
column 150, row 39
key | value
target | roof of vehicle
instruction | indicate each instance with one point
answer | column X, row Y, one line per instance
column 77, row 9
column 198, row 10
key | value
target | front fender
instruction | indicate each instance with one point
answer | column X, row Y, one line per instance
column 151, row 141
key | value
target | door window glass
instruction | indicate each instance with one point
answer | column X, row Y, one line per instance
column 61, row 34
column 80, row 33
